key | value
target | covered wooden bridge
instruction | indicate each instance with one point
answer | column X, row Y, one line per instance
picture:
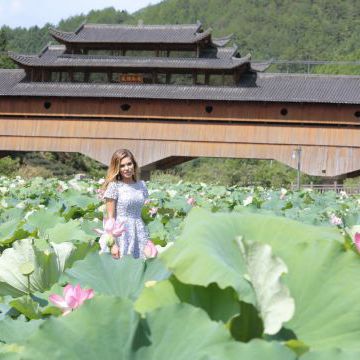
column 170, row 109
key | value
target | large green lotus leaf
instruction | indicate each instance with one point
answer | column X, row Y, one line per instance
column 42, row 220
column 335, row 354
column 27, row 306
column 254, row 350
column 321, row 279
column 201, row 257
column 321, row 274
column 219, row 304
column 73, row 197
column 125, row 277
column 247, row 325
column 182, row 331
column 157, row 232
column 46, row 267
column 16, row 331
column 10, row 231
column 155, row 295
column 264, row 270
column 102, row 328
column 12, row 214
column 70, row 232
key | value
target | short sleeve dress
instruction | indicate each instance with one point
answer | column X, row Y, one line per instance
column 130, row 199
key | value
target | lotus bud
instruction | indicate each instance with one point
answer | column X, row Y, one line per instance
column 109, row 240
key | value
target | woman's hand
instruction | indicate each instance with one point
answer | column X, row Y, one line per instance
column 115, row 251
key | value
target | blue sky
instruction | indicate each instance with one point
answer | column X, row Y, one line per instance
column 26, row 13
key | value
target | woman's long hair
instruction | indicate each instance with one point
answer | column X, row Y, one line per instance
column 113, row 173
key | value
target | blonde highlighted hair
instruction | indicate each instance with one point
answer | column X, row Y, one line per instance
column 113, row 173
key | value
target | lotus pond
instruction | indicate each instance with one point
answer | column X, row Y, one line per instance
column 242, row 273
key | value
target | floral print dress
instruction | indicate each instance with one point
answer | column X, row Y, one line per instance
column 130, row 199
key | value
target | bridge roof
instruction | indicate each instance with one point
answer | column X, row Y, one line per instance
column 96, row 61
column 264, row 87
column 115, row 33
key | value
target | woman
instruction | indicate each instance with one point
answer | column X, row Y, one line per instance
column 125, row 195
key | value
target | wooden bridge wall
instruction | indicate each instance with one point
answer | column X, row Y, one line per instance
column 158, row 129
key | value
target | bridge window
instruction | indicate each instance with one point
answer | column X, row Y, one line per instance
column 209, row 109
column 357, row 114
column 284, row 112
column 98, row 78
column 47, row 105
column 125, row 107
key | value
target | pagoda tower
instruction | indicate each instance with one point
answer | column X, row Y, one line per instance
column 149, row 54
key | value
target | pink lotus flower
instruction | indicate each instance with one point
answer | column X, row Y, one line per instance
column 357, row 241
column 150, row 250
column 335, row 220
column 153, row 211
column 111, row 230
column 74, row 296
column 191, row 201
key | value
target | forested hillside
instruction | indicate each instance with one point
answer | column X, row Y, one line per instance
column 268, row 29
column 274, row 29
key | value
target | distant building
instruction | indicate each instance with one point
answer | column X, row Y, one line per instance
column 171, row 93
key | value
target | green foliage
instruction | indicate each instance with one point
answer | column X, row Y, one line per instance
column 316, row 30
column 243, row 172
column 213, row 294
column 9, row 166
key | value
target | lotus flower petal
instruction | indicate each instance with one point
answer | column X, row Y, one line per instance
column 118, row 229
column 99, row 231
column 150, row 250
column 69, row 292
column 58, row 300
column 109, row 224
column 357, row 241
column 103, row 245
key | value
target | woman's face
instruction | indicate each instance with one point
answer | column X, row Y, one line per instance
column 126, row 168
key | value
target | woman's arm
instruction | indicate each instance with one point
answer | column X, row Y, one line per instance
column 110, row 208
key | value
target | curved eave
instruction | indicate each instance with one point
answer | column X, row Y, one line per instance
column 201, row 36
column 61, row 36
column 260, row 67
column 73, row 63
column 22, row 60
column 223, row 41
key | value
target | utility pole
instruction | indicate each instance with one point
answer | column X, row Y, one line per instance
column 297, row 155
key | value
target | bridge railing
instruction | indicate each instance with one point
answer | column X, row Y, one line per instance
column 350, row 190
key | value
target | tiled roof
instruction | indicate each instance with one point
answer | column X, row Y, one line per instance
column 292, row 88
column 260, row 66
column 96, row 61
column 223, row 41
column 97, row 33
column 227, row 52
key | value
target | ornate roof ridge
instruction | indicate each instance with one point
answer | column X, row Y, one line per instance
column 141, row 26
